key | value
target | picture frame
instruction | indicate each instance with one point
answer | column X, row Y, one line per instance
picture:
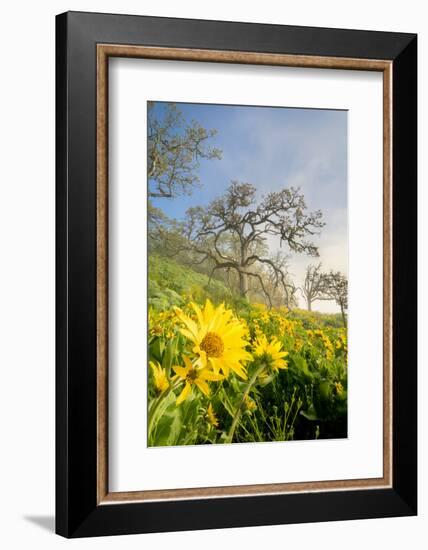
column 84, row 44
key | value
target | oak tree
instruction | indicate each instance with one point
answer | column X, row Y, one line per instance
column 174, row 149
column 254, row 226
column 314, row 285
column 336, row 287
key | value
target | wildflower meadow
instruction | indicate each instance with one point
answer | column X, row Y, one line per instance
column 247, row 286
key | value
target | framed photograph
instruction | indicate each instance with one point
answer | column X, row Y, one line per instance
column 236, row 274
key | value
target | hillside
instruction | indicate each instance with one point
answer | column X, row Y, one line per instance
column 173, row 284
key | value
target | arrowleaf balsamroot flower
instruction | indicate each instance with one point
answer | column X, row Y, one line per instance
column 270, row 352
column 211, row 416
column 218, row 338
column 339, row 388
column 249, row 404
column 192, row 375
column 159, row 376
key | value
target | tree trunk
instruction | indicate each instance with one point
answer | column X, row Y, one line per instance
column 243, row 285
column 243, row 277
column 342, row 311
column 309, row 304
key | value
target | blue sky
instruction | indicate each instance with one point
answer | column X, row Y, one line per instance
column 272, row 148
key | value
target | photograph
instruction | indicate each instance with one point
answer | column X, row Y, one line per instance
column 247, row 300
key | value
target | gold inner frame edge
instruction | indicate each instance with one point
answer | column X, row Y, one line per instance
column 104, row 51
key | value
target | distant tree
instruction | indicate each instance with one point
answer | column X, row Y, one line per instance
column 337, row 289
column 281, row 294
column 174, row 150
column 314, row 286
column 238, row 217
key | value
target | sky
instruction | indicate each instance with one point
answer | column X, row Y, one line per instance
column 273, row 148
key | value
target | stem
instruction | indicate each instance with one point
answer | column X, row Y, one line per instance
column 244, row 395
column 290, row 407
column 226, row 398
column 294, row 420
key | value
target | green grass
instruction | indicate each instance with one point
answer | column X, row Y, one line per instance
column 172, row 284
column 311, row 318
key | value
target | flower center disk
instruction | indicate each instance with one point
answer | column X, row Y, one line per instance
column 212, row 344
column 192, row 375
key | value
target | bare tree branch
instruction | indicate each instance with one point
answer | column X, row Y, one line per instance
column 314, row 286
column 337, row 289
column 174, row 149
column 232, row 231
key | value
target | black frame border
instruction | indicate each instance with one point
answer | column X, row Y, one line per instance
column 77, row 512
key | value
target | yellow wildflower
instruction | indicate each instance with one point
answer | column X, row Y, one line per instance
column 249, row 404
column 339, row 388
column 264, row 317
column 157, row 330
column 270, row 352
column 219, row 339
column 159, row 376
column 329, row 347
column 298, row 344
column 192, row 375
column 211, row 416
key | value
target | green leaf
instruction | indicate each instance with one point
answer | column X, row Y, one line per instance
column 300, row 363
column 310, row 414
column 156, row 349
column 325, row 390
column 168, row 429
column 169, row 355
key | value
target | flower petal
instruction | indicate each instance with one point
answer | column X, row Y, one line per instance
column 184, row 394
column 181, row 371
column 203, row 386
column 209, row 375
